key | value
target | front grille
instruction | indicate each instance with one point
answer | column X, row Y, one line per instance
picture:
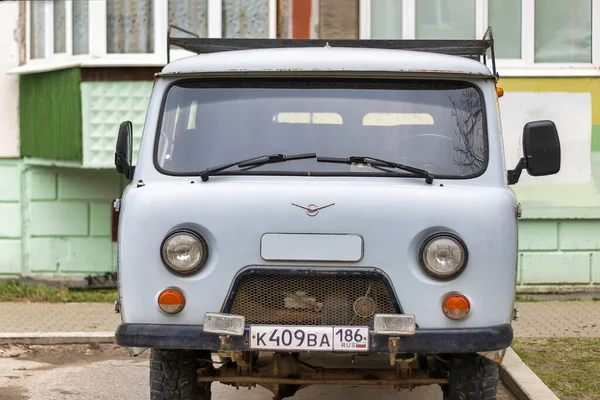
column 272, row 298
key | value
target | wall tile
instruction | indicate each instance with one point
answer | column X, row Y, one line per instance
column 579, row 235
column 42, row 184
column 88, row 185
column 88, row 255
column 542, row 268
column 100, row 218
column 47, row 254
column 105, row 106
column 596, row 267
column 59, row 218
column 10, row 256
column 72, row 255
column 537, row 235
column 10, row 220
column 10, row 182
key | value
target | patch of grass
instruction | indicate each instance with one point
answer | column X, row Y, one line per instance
column 569, row 366
column 526, row 299
column 16, row 291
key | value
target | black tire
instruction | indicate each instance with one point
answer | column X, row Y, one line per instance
column 174, row 375
column 471, row 377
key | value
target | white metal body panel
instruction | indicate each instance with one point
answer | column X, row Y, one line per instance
column 311, row 247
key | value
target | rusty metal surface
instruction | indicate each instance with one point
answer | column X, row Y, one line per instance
column 314, row 381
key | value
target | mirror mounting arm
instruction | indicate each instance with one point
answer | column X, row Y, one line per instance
column 513, row 175
column 123, row 166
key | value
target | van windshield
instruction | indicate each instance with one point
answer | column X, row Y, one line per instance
column 435, row 126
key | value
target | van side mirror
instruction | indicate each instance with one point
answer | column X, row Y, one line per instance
column 123, row 154
column 541, row 151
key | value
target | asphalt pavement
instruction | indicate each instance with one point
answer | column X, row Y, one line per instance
column 107, row 372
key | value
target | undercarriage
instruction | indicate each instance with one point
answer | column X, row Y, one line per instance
column 285, row 373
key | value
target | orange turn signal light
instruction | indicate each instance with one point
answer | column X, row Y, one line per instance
column 171, row 301
column 500, row 91
column 456, row 306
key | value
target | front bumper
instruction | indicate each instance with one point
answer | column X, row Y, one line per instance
column 465, row 340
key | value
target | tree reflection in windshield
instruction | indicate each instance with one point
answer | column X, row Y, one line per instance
column 468, row 143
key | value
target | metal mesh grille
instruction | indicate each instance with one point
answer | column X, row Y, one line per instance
column 270, row 299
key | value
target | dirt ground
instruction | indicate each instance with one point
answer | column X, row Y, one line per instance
column 68, row 354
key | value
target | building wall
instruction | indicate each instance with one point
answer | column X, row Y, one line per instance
column 559, row 234
column 10, row 216
column 56, row 221
column 9, row 99
column 559, row 251
column 68, row 229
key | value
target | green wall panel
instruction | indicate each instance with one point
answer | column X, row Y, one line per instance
column 10, row 181
column 538, row 235
column 547, row 268
column 50, row 115
column 596, row 138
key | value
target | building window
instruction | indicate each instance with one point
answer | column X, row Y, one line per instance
column 59, row 16
column 105, row 31
column 191, row 15
column 437, row 19
column 37, row 23
column 563, row 31
column 245, row 18
column 529, row 34
column 129, row 26
column 387, row 17
column 81, row 37
column 504, row 16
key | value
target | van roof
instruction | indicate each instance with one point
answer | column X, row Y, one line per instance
column 328, row 59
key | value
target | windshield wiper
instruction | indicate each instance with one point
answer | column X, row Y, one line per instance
column 380, row 163
column 255, row 161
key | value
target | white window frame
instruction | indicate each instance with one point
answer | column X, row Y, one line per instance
column 97, row 47
column 526, row 65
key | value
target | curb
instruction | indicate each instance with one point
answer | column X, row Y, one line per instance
column 55, row 338
column 521, row 380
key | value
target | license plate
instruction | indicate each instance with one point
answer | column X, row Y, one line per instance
column 310, row 338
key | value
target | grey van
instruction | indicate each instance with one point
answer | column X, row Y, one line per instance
column 323, row 212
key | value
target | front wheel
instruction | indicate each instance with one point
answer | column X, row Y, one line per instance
column 471, row 377
column 174, row 375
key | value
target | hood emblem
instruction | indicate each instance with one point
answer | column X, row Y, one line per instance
column 312, row 209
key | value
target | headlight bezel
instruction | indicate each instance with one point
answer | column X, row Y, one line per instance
column 443, row 235
column 201, row 263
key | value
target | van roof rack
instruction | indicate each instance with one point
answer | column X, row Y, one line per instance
column 473, row 49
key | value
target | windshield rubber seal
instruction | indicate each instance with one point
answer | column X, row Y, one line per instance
column 275, row 82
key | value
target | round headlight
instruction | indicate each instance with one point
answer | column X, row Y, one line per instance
column 184, row 252
column 443, row 256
